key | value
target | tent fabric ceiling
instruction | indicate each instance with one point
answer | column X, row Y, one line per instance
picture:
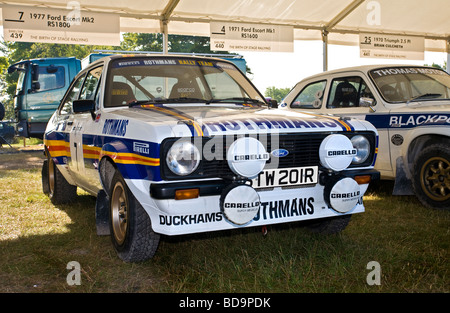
column 343, row 20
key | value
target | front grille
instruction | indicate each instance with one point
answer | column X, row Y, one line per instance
column 303, row 151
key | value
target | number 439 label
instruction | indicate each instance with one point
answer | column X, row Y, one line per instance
column 72, row 26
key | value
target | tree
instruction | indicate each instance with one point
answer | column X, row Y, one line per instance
column 276, row 93
column 441, row 67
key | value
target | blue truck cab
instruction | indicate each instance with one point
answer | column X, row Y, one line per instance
column 40, row 87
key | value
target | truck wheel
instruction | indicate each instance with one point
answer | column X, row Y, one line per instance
column 330, row 225
column 130, row 226
column 431, row 177
column 55, row 185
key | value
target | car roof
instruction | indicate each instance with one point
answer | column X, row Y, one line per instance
column 131, row 55
column 360, row 68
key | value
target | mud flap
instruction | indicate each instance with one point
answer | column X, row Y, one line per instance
column 102, row 213
column 403, row 185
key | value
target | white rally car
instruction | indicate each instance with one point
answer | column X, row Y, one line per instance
column 176, row 145
column 409, row 106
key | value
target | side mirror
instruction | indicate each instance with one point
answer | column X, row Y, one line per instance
column 83, row 106
column 35, row 85
column 273, row 104
column 367, row 103
column 34, row 72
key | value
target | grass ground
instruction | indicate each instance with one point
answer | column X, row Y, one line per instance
column 38, row 240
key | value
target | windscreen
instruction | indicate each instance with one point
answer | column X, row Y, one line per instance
column 406, row 84
column 176, row 80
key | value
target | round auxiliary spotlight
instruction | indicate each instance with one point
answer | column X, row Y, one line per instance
column 342, row 194
column 336, row 152
column 247, row 157
column 239, row 203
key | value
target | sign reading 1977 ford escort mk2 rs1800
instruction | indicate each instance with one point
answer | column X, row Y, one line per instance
column 176, row 145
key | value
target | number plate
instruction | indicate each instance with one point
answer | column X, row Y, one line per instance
column 286, row 177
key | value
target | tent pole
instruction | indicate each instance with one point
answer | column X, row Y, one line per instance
column 165, row 37
column 448, row 55
column 325, row 50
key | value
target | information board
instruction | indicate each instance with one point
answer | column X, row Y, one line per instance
column 251, row 37
column 36, row 24
column 391, row 47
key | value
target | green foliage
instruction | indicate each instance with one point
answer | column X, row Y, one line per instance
column 277, row 93
column 177, row 43
column 142, row 42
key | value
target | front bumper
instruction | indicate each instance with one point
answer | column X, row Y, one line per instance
column 215, row 187
column 277, row 205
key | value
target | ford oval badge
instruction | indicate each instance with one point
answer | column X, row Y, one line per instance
column 279, row 153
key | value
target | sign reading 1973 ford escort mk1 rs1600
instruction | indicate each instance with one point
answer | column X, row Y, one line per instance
column 176, row 145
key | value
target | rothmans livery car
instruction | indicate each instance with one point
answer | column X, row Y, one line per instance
column 176, row 145
column 409, row 106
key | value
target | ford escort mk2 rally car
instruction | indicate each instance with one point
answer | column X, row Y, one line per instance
column 176, row 145
column 409, row 106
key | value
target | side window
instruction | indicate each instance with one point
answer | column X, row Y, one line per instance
column 90, row 85
column 51, row 77
column 66, row 107
column 311, row 96
column 346, row 92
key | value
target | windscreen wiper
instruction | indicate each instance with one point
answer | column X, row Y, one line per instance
column 423, row 96
column 141, row 102
column 186, row 99
column 234, row 99
column 165, row 100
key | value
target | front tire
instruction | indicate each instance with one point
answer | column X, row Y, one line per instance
column 55, row 185
column 131, row 231
column 431, row 178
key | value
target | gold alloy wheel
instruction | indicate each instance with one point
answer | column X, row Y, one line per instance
column 119, row 212
column 435, row 178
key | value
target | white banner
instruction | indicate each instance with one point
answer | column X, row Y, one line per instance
column 72, row 26
column 391, row 47
column 251, row 37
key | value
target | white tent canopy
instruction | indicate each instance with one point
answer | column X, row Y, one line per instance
column 332, row 21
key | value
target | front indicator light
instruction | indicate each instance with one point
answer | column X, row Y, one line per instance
column 185, row 194
column 363, row 179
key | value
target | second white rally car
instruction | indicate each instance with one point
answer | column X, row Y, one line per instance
column 176, row 145
column 409, row 106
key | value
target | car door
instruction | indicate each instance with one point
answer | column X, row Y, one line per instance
column 65, row 122
column 82, row 146
column 345, row 94
column 353, row 95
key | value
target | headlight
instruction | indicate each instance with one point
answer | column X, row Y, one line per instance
column 362, row 146
column 183, row 158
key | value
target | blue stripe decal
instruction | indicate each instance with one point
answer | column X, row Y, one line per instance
column 408, row 120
